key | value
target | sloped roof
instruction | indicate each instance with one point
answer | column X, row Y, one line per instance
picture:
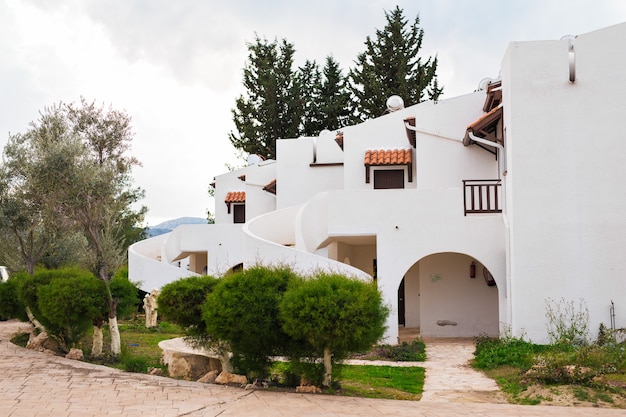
column 494, row 96
column 388, row 157
column 485, row 126
column 235, row 197
column 270, row 187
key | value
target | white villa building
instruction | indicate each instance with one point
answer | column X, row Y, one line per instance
column 469, row 213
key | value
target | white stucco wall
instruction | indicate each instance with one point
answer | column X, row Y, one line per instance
column 565, row 151
column 297, row 180
column 412, row 224
column 447, row 293
column 257, row 200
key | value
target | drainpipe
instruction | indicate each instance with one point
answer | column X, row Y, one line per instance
column 428, row 132
column 493, row 145
column 508, row 278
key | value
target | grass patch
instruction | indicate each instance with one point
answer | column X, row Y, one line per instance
column 391, row 382
column 140, row 345
column 20, row 339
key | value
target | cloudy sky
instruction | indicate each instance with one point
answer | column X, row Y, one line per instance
column 176, row 65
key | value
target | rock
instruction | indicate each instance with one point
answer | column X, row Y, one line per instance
column 209, row 377
column 42, row 343
column 155, row 371
column 75, row 354
column 308, row 389
column 446, row 323
column 225, row 378
column 190, row 366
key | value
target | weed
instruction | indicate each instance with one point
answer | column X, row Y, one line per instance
column 404, row 352
column 604, row 397
column 138, row 364
column 582, row 394
column 567, row 324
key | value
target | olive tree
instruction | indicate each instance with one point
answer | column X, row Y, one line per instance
column 335, row 314
column 73, row 165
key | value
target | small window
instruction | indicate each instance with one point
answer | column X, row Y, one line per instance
column 388, row 178
column 239, row 213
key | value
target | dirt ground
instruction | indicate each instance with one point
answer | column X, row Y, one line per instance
column 574, row 396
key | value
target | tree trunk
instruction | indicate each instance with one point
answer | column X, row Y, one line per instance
column 224, row 356
column 34, row 321
column 116, row 341
column 96, row 347
column 328, row 368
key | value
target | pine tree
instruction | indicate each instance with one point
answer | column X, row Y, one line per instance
column 271, row 108
column 310, row 79
column 334, row 97
column 391, row 65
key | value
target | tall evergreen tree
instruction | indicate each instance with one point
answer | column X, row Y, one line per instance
column 271, row 108
column 334, row 96
column 310, row 79
column 391, row 65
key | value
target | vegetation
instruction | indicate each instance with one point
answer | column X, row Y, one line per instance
column 333, row 314
column 140, row 352
column 414, row 351
column 391, row 65
column 588, row 371
column 283, row 102
column 261, row 312
column 181, row 302
column 392, row 382
column 67, row 301
column 243, row 311
column 65, row 194
column 10, row 306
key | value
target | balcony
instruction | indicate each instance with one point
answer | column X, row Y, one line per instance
column 482, row 196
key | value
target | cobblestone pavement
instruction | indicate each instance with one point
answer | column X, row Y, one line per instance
column 36, row 384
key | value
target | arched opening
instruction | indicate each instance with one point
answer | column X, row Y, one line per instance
column 448, row 295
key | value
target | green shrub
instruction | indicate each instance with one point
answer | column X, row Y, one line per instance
column 10, row 305
column 70, row 302
column 65, row 301
column 242, row 311
column 125, row 292
column 333, row 314
column 138, row 364
column 181, row 302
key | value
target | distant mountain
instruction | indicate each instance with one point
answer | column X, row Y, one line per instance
column 170, row 225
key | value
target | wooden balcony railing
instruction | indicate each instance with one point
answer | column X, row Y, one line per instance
column 482, row 196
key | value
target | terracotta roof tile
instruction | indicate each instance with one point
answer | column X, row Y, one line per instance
column 388, row 157
column 235, row 197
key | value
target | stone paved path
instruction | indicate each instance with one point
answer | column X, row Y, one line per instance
column 35, row 384
column 450, row 378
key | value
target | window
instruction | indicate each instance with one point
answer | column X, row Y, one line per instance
column 239, row 213
column 388, row 178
